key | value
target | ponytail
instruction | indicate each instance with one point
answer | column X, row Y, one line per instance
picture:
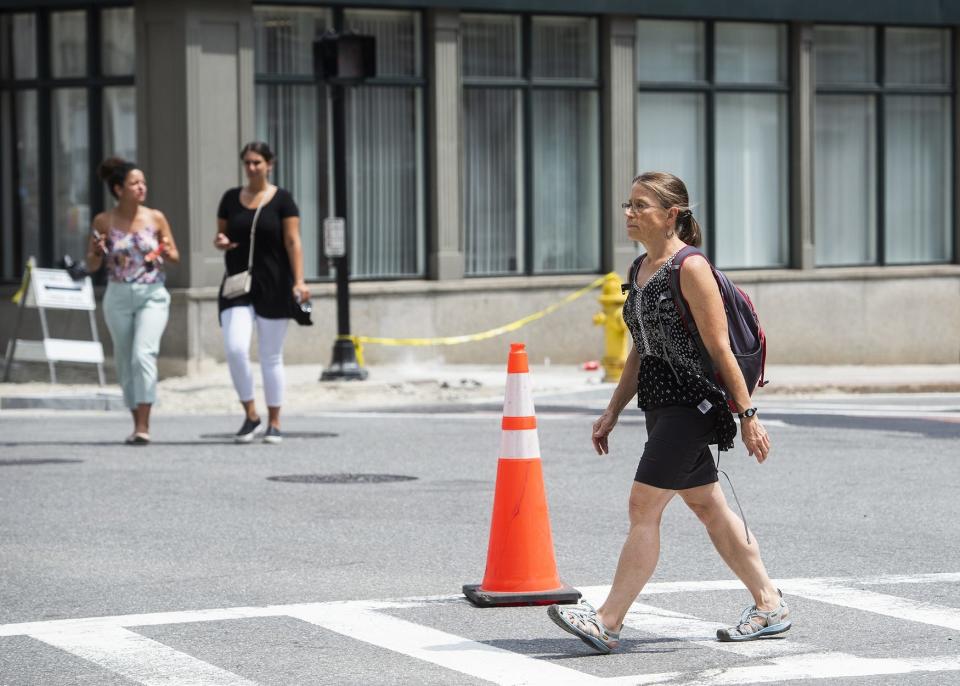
column 688, row 229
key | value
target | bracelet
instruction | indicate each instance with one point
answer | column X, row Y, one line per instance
column 746, row 414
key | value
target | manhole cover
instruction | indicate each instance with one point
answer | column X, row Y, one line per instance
column 286, row 434
column 43, row 460
column 341, row 478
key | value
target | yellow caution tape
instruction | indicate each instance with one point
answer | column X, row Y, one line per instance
column 23, row 284
column 469, row 338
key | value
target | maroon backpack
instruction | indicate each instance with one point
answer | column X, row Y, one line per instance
column 747, row 340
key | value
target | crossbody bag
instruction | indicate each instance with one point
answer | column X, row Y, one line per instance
column 240, row 283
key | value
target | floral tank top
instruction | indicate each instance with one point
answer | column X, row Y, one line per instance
column 670, row 369
column 129, row 258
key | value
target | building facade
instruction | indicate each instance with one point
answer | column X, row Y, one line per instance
column 487, row 160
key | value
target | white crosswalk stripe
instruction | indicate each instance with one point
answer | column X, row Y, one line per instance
column 113, row 644
column 139, row 658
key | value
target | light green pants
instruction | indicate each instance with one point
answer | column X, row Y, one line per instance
column 136, row 315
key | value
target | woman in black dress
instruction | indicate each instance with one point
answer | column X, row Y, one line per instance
column 276, row 289
column 685, row 413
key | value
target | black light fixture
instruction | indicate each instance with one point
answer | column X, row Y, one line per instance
column 345, row 58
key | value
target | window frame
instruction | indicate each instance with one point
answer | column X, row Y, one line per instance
column 325, row 175
column 44, row 84
column 526, row 84
column 880, row 93
column 710, row 88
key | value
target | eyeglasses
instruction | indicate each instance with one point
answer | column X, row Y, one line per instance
column 634, row 206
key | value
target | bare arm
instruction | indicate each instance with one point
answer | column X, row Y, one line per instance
column 96, row 246
column 166, row 238
column 291, row 241
column 703, row 296
column 624, row 392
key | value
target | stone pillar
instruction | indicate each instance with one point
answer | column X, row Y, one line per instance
column 956, row 159
column 195, row 110
column 446, row 259
column 802, row 145
column 619, row 138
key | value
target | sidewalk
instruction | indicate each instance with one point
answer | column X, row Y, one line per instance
column 391, row 386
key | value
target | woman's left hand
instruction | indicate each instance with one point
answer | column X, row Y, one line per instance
column 301, row 293
column 755, row 438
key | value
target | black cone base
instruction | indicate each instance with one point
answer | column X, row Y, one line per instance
column 565, row 595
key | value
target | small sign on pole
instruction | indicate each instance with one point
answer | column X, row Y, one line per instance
column 334, row 237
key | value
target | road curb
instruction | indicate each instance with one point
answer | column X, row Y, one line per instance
column 109, row 402
column 863, row 388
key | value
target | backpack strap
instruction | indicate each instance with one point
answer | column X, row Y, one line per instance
column 684, row 310
column 679, row 301
column 634, row 268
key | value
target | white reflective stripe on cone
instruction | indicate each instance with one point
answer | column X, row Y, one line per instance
column 518, row 445
column 518, row 397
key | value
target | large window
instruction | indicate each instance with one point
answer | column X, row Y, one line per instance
column 712, row 109
column 531, row 164
column 63, row 107
column 292, row 116
column 384, row 121
column 883, row 186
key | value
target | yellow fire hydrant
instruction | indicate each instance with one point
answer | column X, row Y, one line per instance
column 614, row 330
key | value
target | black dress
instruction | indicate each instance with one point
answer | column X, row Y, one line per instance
column 271, row 293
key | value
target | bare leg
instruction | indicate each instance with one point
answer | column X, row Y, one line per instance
column 639, row 555
column 274, row 414
column 141, row 418
column 727, row 533
column 251, row 410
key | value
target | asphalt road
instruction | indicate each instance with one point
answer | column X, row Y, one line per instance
column 855, row 510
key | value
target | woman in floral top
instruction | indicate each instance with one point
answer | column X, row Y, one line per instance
column 685, row 413
column 134, row 242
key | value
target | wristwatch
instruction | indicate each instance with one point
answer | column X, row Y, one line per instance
column 747, row 413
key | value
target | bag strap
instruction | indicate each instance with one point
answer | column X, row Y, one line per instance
column 678, row 298
column 634, row 268
column 253, row 227
column 684, row 310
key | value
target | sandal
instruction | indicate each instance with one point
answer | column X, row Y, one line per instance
column 756, row 623
column 137, row 438
column 578, row 619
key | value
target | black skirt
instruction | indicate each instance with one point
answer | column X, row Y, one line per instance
column 677, row 453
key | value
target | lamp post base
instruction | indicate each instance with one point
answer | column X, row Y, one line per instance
column 344, row 365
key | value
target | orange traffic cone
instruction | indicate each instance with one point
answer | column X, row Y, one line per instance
column 521, row 568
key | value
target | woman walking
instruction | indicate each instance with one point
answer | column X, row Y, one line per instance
column 685, row 413
column 271, row 294
column 134, row 241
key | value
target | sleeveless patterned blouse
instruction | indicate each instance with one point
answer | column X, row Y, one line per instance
column 126, row 251
column 670, row 368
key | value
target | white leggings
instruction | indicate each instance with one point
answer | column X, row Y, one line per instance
column 237, row 325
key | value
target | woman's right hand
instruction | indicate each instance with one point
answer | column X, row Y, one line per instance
column 99, row 243
column 601, row 431
column 222, row 242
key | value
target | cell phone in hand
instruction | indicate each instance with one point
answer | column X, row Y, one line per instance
column 100, row 239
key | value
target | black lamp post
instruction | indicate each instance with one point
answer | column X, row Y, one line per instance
column 342, row 60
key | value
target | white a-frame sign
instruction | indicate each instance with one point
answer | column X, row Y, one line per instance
column 54, row 289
